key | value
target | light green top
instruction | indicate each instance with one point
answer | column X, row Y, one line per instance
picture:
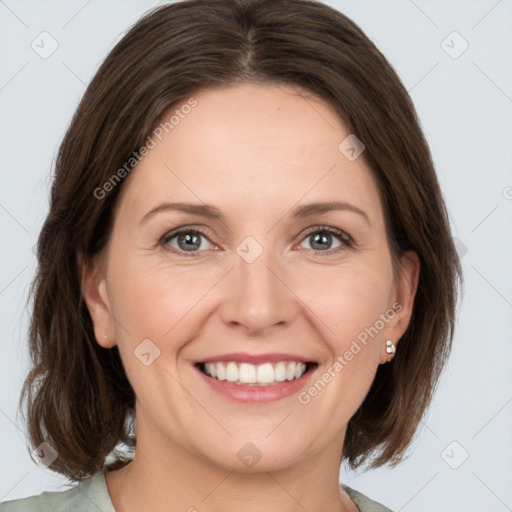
column 92, row 496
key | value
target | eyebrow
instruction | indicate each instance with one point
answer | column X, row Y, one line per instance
column 211, row 212
column 203, row 210
column 308, row 210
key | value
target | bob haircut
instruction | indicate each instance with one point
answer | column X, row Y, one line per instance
column 78, row 397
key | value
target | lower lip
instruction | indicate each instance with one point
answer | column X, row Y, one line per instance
column 246, row 393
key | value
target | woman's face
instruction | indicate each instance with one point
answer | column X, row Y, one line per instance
column 244, row 271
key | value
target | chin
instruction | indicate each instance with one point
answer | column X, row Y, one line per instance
column 256, row 456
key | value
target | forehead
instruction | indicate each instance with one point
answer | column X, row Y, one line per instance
column 251, row 147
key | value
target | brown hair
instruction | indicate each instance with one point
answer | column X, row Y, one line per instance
column 79, row 399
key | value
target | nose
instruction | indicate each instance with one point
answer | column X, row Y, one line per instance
column 257, row 295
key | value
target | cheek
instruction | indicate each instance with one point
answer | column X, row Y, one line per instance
column 349, row 308
column 347, row 301
column 153, row 304
column 156, row 301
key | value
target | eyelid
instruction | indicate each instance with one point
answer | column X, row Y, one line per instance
column 343, row 235
column 347, row 242
column 168, row 235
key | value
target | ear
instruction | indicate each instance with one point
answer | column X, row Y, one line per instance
column 405, row 292
column 94, row 290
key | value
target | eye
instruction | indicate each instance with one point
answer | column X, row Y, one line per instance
column 189, row 242
column 321, row 239
column 186, row 241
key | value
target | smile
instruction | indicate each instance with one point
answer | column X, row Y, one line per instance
column 265, row 374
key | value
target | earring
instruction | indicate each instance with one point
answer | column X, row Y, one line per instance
column 390, row 349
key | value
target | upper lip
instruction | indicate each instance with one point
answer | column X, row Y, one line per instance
column 243, row 357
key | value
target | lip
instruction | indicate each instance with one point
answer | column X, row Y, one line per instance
column 244, row 357
column 255, row 394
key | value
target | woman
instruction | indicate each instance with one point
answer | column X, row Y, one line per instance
column 247, row 267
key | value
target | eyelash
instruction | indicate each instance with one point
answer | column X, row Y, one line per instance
column 346, row 240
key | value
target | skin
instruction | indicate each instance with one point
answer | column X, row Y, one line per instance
column 255, row 152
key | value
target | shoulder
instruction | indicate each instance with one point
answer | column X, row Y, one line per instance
column 364, row 503
column 88, row 496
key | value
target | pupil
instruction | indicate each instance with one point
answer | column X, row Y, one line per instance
column 191, row 241
column 324, row 238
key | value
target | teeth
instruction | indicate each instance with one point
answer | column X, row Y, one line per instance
column 231, row 372
column 221, row 372
column 247, row 373
column 290, row 372
column 263, row 374
column 280, row 372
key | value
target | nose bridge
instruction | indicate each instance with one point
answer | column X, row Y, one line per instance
column 258, row 297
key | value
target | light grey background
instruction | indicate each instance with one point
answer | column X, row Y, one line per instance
column 465, row 106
